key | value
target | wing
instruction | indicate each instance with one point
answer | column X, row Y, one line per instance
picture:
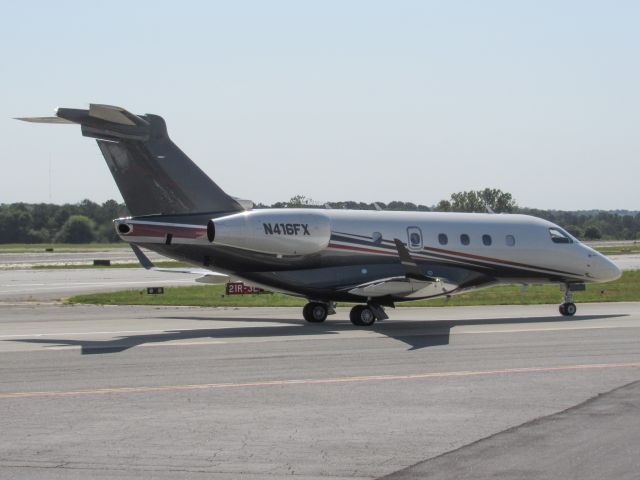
column 414, row 284
column 207, row 275
column 401, row 287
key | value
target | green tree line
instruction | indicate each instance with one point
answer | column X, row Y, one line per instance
column 87, row 221
column 84, row 222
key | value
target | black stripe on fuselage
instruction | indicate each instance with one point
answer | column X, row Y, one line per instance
column 451, row 256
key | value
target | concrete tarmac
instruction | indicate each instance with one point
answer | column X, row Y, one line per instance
column 30, row 259
column 594, row 440
column 56, row 284
column 147, row 392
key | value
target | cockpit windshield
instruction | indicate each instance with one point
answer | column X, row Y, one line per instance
column 559, row 236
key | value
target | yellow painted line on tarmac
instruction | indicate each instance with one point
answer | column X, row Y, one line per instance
column 318, row 381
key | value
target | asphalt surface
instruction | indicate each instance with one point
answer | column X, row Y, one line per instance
column 56, row 284
column 30, row 259
column 557, row 446
column 627, row 262
column 133, row 392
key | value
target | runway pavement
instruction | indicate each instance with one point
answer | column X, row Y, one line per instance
column 134, row 392
column 56, row 284
column 61, row 258
column 627, row 262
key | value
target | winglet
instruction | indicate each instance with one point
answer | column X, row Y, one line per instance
column 142, row 258
column 411, row 268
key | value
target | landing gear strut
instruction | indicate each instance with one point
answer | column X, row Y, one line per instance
column 568, row 308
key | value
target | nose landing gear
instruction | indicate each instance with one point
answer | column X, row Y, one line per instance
column 568, row 308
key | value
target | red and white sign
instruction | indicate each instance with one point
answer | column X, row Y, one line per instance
column 239, row 288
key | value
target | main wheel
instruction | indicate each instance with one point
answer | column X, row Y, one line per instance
column 362, row 316
column 568, row 309
column 315, row 312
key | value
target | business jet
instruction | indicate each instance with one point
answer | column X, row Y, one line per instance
column 372, row 258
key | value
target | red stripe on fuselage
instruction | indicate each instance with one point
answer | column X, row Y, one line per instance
column 361, row 249
column 145, row 230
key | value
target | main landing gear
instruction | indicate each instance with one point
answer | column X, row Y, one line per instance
column 568, row 308
column 317, row 312
column 366, row 315
column 361, row 315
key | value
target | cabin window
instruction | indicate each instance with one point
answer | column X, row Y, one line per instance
column 486, row 240
column 464, row 239
column 376, row 237
column 414, row 235
column 558, row 236
column 510, row 240
column 443, row 239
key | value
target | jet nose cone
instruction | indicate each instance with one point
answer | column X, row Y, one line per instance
column 608, row 271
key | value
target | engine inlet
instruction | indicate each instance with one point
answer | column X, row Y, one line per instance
column 211, row 231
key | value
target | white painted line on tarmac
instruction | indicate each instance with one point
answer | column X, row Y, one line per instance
column 120, row 332
column 67, row 286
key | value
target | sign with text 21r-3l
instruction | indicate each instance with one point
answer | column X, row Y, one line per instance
column 239, row 288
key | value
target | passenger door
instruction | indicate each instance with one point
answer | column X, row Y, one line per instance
column 414, row 239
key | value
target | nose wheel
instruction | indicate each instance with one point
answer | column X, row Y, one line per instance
column 568, row 308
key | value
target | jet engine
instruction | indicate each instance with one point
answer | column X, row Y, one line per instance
column 297, row 232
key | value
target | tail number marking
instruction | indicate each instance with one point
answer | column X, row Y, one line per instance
column 286, row 229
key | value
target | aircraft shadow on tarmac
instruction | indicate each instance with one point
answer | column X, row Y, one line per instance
column 417, row 334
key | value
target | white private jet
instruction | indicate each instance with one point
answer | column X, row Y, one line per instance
column 372, row 258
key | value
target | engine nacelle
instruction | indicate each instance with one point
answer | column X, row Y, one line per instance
column 288, row 232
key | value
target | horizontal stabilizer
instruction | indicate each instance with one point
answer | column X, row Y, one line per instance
column 117, row 115
column 44, row 119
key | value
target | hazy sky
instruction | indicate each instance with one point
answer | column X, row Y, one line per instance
column 335, row 100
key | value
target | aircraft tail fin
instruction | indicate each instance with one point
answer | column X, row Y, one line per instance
column 152, row 173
